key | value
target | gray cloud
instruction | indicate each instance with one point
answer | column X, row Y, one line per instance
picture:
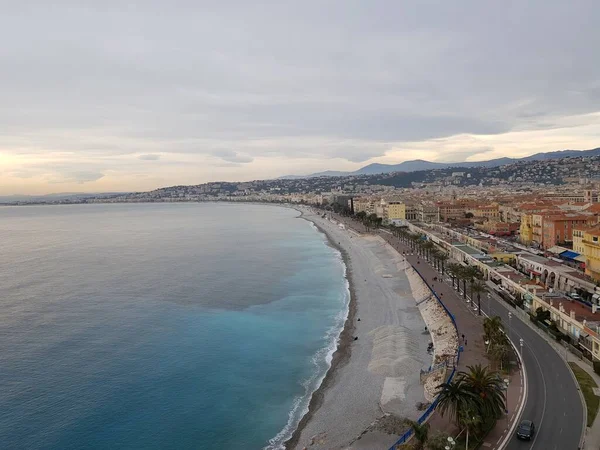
column 232, row 157
column 149, row 157
column 283, row 81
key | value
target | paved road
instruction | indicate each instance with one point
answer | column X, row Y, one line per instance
column 553, row 401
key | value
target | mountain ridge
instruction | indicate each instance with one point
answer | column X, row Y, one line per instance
column 421, row 164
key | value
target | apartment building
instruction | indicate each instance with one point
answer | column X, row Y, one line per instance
column 491, row 212
column 428, row 213
column 364, row 204
column 558, row 229
column 451, row 211
column 591, row 251
column 396, row 210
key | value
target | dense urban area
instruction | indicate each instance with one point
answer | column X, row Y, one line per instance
column 536, row 222
column 530, row 229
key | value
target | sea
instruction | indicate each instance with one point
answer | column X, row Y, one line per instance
column 162, row 326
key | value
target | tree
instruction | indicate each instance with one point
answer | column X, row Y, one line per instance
column 488, row 386
column 492, row 328
column 464, row 276
column 420, row 433
column 454, row 270
column 500, row 351
column 478, row 288
column 469, row 273
column 442, row 258
column 542, row 314
column 471, row 420
column 454, row 398
column 437, row 441
column 428, row 247
column 435, row 255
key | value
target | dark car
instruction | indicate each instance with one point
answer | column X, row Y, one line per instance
column 526, row 429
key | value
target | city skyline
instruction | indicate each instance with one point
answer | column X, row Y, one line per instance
column 131, row 99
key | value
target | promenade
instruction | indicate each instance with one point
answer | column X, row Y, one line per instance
column 468, row 323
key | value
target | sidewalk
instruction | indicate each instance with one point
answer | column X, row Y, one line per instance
column 469, row 324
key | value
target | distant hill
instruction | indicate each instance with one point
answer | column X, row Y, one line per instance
column 420, row 164
column 56, row 197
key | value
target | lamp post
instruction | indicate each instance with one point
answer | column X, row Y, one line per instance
column 509, row 322
column 521, row 345
column 451, row 443
column 506, row 384
column 487, row 343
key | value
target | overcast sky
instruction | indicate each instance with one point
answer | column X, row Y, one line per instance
column 125, row 96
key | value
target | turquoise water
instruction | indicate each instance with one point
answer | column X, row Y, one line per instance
column 171, row 326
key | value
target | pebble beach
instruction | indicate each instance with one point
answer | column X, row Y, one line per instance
column 375, row 378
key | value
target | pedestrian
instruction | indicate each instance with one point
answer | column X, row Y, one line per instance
column 463, row 338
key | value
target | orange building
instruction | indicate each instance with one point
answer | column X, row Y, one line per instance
column 558, row 229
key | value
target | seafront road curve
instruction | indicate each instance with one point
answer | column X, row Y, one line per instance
column 553, row 401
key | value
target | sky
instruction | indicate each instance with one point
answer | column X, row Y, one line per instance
column 100, row 96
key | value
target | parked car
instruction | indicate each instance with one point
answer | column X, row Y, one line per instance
column 575, row 296
column 526, row 430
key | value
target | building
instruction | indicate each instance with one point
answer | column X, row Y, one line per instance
column 411, row 212
column 396, row 210
column 428, row 213
column 364, row 204
column 491, row 212
column 526, row 229
column 591, row 247
column 558, row 229
column 451, row 211
column 498, row 228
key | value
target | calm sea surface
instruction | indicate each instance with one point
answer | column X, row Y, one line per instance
column 162, row 326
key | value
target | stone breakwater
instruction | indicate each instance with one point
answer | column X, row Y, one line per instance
column 441, row 329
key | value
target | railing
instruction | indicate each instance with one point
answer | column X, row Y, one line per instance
column 407, row 435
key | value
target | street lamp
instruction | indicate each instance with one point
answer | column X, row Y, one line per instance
column 487, row 343
column 506, row 384
column 521, row 344
column 509, row 321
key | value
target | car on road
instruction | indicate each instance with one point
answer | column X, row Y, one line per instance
column 526, row 430
column 575, row 296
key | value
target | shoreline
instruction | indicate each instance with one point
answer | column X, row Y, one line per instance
column 342, row 353
column 373, row 383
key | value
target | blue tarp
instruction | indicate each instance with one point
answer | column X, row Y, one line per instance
column 569, row 254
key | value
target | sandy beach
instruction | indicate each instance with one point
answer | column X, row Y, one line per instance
column 378, row 374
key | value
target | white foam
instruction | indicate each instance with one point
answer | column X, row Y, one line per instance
column 301, row 403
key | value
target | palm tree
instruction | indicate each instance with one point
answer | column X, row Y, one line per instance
column 434, row 255
column 441, row 258
column 488, row 386
column 428, row 247
column 469, row 273
column 501, row 351
column 464, row 274
column 492, row 327
column 477, row 288
column 454, row 271
column 421, row 434
column 471, row 420
column 455, row 397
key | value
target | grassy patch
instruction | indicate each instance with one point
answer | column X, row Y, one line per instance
column 586, row 383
